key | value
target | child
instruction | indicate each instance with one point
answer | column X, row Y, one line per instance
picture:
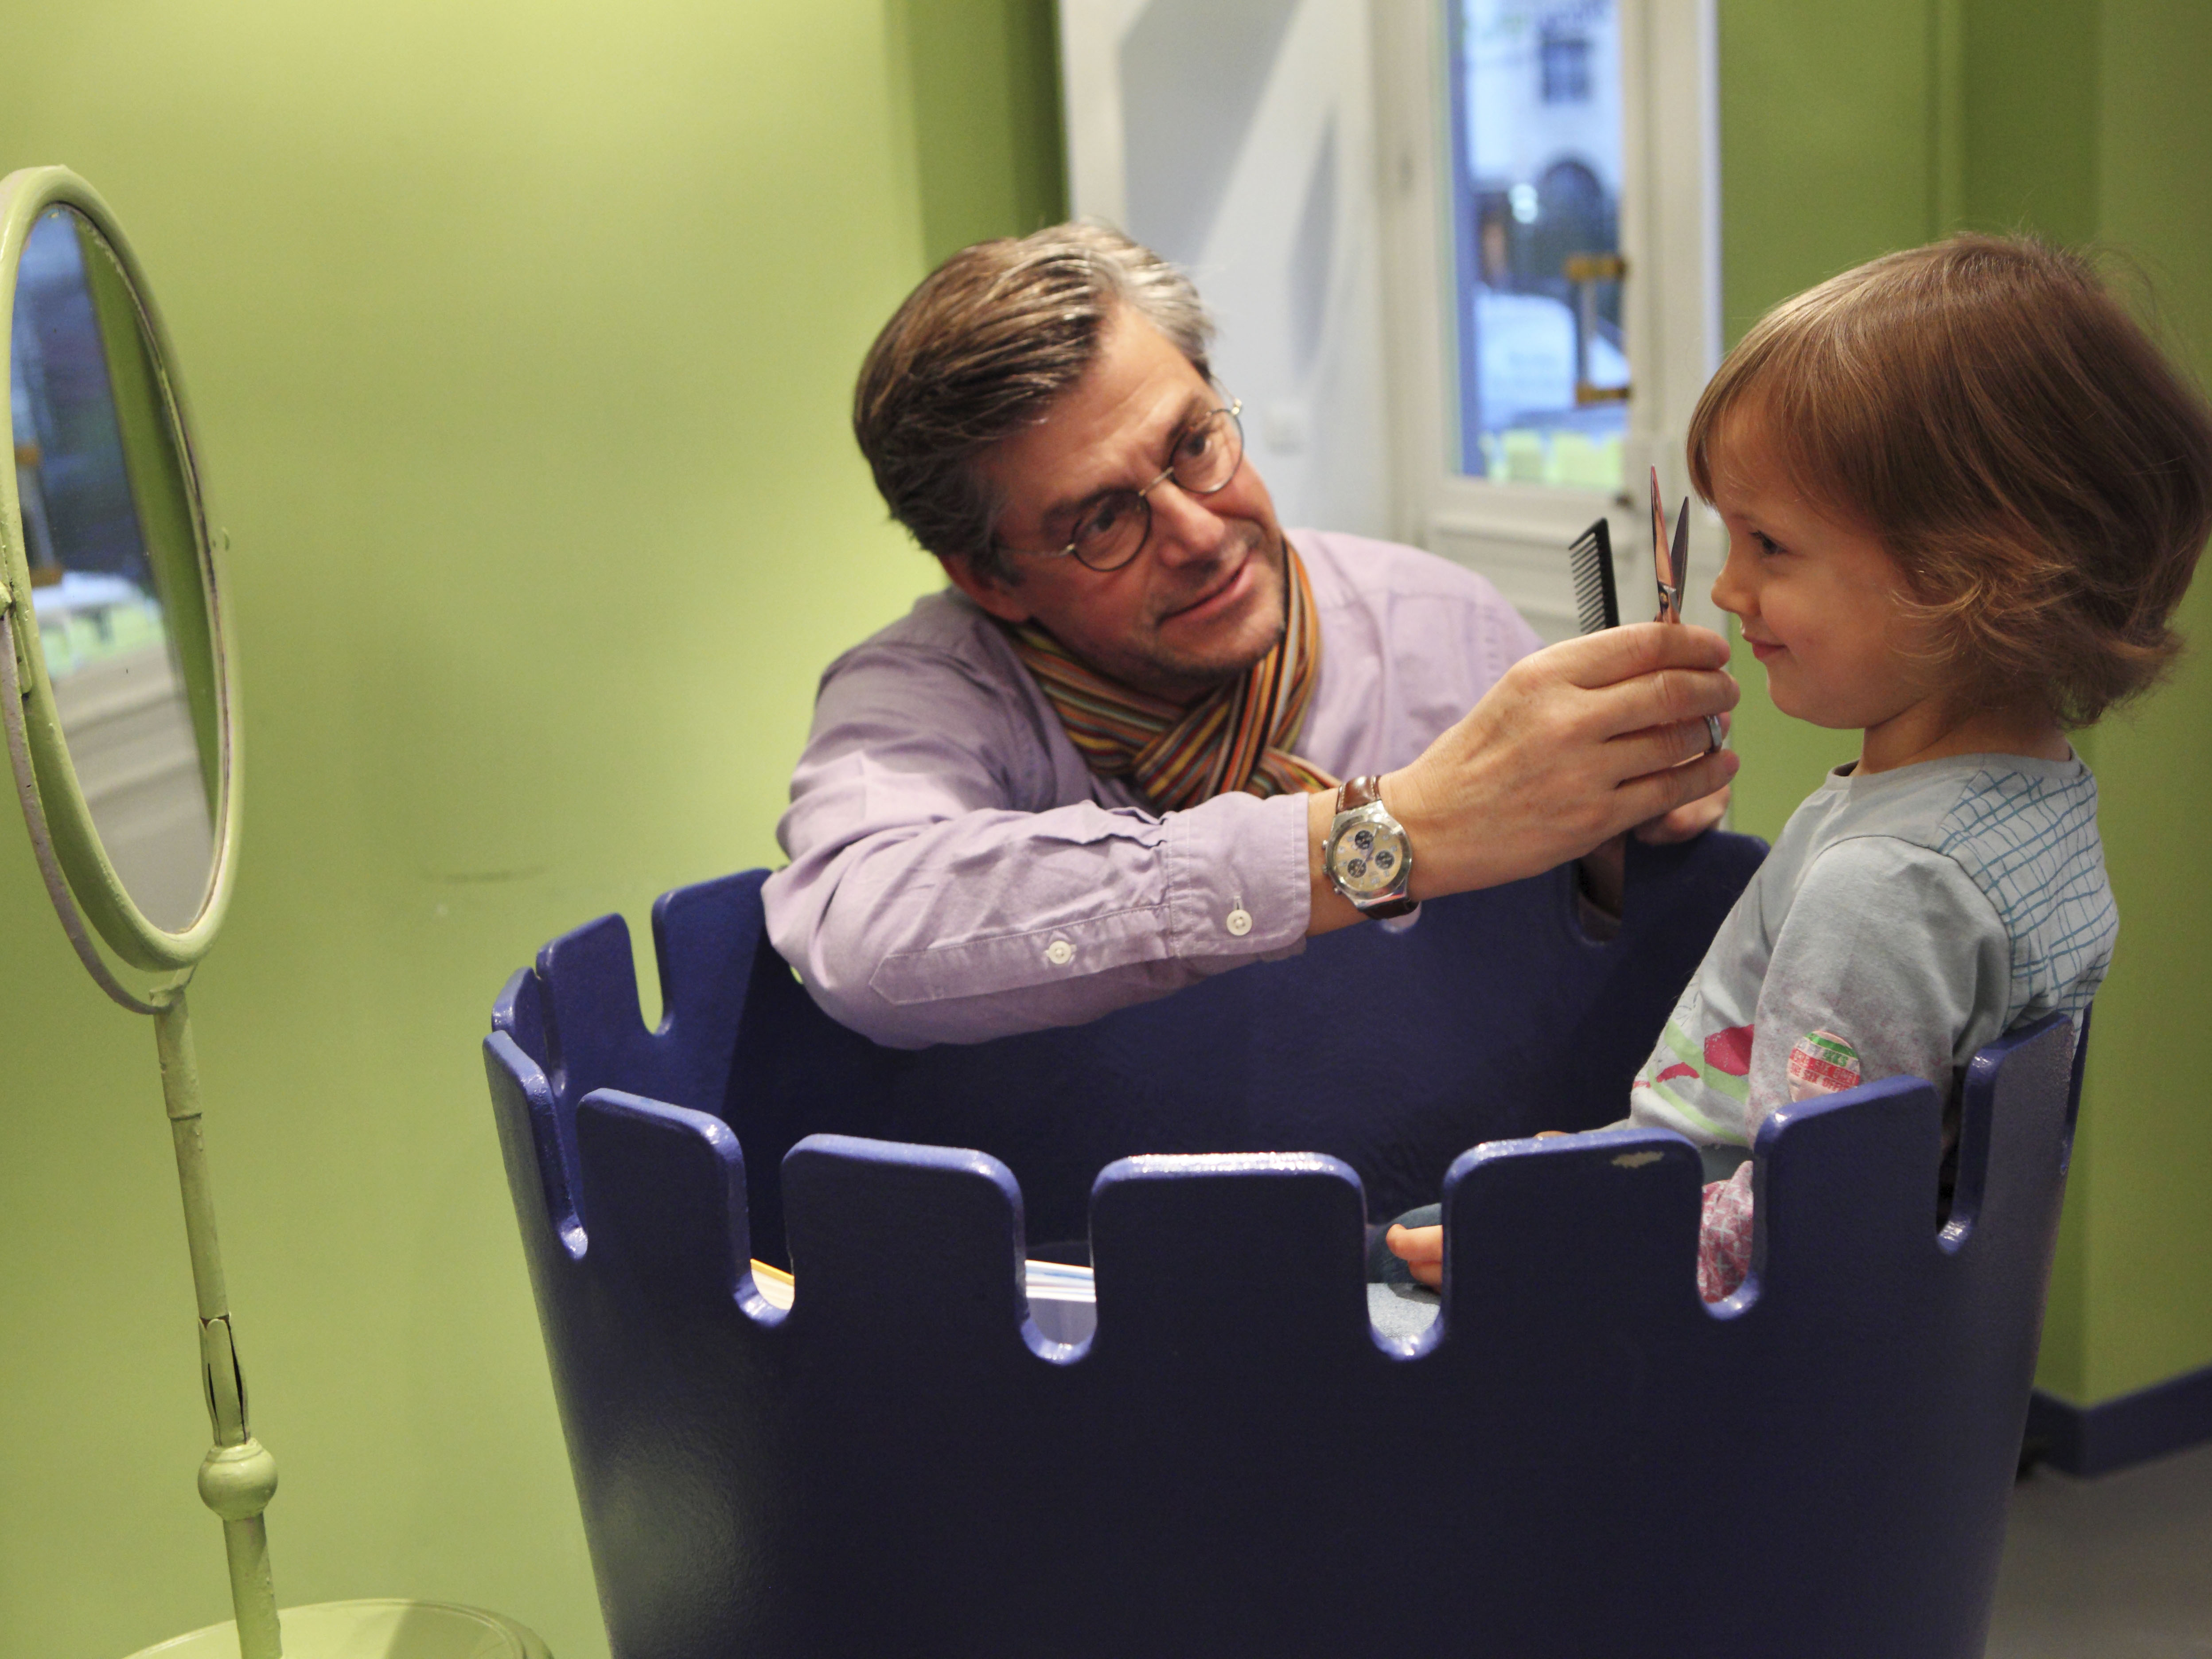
column 1963, row 494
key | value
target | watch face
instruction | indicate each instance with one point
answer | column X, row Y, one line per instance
column 1370, row 859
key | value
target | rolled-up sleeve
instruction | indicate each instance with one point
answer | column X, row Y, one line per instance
column 929, row 899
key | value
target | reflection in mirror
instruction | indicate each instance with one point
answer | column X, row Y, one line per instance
column 115, row 570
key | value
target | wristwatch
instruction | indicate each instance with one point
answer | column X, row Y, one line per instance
column 1367, row 857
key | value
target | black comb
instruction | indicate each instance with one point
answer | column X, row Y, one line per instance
column 1590, row 559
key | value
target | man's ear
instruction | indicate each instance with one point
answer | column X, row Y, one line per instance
column 996, row 596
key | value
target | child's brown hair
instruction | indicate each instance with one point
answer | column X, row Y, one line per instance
column 2040, row 472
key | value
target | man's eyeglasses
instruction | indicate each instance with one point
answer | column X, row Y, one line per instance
column 1115, row 528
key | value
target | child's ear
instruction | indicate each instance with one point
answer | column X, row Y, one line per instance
column 995, row 595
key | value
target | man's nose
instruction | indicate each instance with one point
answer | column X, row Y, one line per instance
column 1184, row 528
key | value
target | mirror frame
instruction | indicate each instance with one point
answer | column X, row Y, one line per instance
column 80, row 876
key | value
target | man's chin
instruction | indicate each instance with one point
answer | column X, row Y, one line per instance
column 1206, row 664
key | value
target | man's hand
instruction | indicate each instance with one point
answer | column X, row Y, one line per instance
column 1575, row 744
column 1688, row 823
column 1685, row 822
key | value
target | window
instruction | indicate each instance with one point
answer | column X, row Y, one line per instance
column 1565, row 60
column 1535, row 196
column 1552, row 271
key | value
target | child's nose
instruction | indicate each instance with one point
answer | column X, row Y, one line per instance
column 1731, row 588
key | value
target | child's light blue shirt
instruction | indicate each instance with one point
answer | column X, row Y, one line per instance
column 1902, row 921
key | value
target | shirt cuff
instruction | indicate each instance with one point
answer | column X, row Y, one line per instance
column 1239, row 877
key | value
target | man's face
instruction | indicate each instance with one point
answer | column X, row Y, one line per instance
column 1203, row 601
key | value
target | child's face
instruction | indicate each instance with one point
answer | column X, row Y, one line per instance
column 1822, row 604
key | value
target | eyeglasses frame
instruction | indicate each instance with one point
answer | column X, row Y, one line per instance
column 1234, row 409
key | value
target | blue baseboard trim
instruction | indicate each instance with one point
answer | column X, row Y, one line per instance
column 2149, row 1423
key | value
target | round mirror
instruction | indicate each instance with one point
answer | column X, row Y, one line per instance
column 125, row 754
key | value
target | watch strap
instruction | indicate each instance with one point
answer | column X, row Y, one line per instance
column 1359, row 792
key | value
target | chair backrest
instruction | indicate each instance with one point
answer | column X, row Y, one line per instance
column 1494, row 1016
column 1579, row 1458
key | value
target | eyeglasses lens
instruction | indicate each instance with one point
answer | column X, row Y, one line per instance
column 1205, row 460
column 1116, row 528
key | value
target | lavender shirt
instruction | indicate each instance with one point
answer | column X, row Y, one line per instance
column 958, row 873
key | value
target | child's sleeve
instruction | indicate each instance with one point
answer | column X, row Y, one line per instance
column 1724, row 1236
column 1890, row 962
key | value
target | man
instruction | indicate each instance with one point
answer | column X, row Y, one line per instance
column 1108, row 764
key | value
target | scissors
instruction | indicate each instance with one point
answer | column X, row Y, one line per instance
column 1672, row 567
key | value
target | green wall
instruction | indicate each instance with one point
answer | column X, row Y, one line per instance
column 2145, row 1240
column 1849, row 131
column 520, row 334
column 984, row 77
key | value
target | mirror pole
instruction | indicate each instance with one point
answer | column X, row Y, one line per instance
column 239, row 1475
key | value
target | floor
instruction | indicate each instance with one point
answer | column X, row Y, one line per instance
column 2114, row 1568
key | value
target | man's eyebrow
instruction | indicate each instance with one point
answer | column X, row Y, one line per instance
column 1195, row 409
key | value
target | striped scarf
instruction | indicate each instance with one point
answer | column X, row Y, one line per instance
column 1238, row 737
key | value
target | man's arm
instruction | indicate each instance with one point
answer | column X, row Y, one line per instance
column 938, row 893
column 1574, row 745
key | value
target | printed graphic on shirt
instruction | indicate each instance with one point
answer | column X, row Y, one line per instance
column 1822, row 1063
column 1729, row 1052
column 1721, row 1064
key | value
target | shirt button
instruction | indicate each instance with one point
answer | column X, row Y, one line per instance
column 1060, row 953
column 1240, row 922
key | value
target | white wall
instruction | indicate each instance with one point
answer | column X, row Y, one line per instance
column 1237, row 138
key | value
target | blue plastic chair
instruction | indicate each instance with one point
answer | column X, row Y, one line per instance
column 1493, row 1017
column 1581, row 1458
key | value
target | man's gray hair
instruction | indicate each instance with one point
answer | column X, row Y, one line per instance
column 982, row 350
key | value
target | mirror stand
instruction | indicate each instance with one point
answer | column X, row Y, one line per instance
column 238, row 1477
